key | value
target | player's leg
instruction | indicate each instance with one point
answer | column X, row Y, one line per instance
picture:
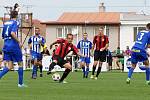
column 87, row 70
column 41, row 67
column 51, row 66
column 147, row 72
column 96, row 59
column 101, row 60
column 8, row 64
column 134, row 61
column 66, row 72
column 82, row 65
column 35, row 67
column 87, row 61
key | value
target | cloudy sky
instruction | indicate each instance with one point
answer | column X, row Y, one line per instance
column 51, row 9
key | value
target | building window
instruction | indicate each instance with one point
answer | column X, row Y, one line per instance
column 59, row 32
column 62, row 32
column 107, row 31
column 136, row 30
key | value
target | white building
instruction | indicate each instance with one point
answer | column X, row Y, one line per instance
column 131, row 24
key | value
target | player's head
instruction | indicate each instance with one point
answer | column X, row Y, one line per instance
column 56, row 46
column 37, row 31
column 13, row 14
column 70, row 37
column 85, row 35
column 148, row 26
column 101, row 31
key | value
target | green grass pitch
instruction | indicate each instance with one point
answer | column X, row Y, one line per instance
column 109, row 86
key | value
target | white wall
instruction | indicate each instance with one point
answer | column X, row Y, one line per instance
column 126, row 36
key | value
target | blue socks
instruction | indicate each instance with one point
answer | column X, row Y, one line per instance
column 83, row 69
column 20, row 75
column 34, row 70
column 147, row 72
column 130, row 72
column 87, row 71
column 3, row 72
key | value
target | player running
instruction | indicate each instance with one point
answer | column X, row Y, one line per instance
column 139, row 53
column 100, row 43
column 65, row 46
column 85, row 46
column 12, row 48
column 35, row 42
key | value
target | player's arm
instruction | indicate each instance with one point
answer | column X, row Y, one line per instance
column 57, row 42
column 76, row 52
column 30, row 43
column 13, row 33
column 106, row 46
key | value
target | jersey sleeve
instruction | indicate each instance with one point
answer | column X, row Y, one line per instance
column 75, row 49
column 148, row 38
column 78, row 45
column 14, row 27
column 90, row 45
column 94, row 40
column 43, row 41
column 60, row 40
column 30, row 40
column 107, row 40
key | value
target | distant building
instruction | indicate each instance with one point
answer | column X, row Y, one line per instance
column 79, row 22
column 131, row 24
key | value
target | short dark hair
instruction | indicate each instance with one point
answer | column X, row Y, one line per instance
column 85, row 33
column 148, row 26
column 13, row 14
column 69, row 34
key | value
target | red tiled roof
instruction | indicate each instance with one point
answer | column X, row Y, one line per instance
column 87, row 17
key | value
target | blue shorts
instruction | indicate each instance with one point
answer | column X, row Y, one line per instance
column 37, row 56
column 138, row 56
column 85, row 59
column 15, row 56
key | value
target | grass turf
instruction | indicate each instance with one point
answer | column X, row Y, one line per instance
column 110, row 86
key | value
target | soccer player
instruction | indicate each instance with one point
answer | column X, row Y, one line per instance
column 35, row 42
column 100, row 43
column 85, row 46
column 65, row 46
column 139, row 53
column 12, row 48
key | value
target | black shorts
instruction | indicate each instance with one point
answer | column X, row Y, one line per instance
column 100, row 56
column 60, row 61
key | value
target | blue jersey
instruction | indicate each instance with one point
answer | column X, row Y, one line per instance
column 85, row 46
column 36, row 42
column 10, row 44
column 142, row 39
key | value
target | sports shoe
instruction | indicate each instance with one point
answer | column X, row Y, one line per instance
column 41, row 75
column 34, row 76
column 64, row 82
column 128, row 81
column 92, row 77
column 96, row 78
column 148, row 82
column 22, row 86
column 49, row 72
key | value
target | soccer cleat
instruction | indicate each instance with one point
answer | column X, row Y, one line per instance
column 86, row 76
column 128, row 81
column 34, row 76
column 148, row 82
column 96, row 78
column 41, row 75
column 64, row 82
column 49, row 72
column 92, row 77
column 22, row 86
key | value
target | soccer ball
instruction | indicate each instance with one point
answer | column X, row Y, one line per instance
column 56, row 76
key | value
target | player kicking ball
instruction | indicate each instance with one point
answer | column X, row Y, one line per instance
column 85, row 47
column 65, row 46
column 12, row 48
column 139, row 53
